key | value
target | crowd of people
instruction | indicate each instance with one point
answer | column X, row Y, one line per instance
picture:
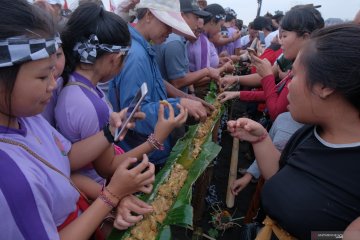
column 67, row 80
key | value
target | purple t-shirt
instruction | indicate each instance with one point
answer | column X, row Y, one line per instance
column 202, row 54
column 49, row 112
column 34, row 199
column 81, row 112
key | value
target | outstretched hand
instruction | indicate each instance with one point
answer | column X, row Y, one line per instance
column 246, row 129
column 263, row 66
column 139, row 178
column 165, row 125
column 117, row 118
column 227, row 81
column 130, row 211
column 228, row 95
column 239, row 184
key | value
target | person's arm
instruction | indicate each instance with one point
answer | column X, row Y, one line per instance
column 107, row 163
column 250, row 96
column 191, row 78
column 254, row 170
column 219, row 40
column 85, row 151
column 352, row 232
column 174, row 92
column 138, row 178
column 266, row 154
column 97, row 146
column 135, row 72
column 276, row 103
column 251, row 80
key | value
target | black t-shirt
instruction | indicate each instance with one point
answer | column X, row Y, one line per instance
column 317, row 189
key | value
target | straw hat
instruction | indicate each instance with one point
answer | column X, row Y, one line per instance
column 168, row 12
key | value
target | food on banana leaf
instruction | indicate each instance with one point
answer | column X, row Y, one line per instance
column 146, row 229
column 167, row 193
column 203, row 131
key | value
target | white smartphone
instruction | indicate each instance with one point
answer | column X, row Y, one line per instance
column 132, row 109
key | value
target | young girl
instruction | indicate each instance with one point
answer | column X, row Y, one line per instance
column 37, row 199
column 95, row 43
column 313, row 184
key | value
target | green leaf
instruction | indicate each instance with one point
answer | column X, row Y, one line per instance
column 213, row 233
column 180, row 215
column 181, row 212
column 164, row 234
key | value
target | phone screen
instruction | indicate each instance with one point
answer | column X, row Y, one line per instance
column 262, row 37
column 132, row 108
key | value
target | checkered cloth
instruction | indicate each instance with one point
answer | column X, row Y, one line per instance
column 88, row 50
column 58, row 39
column 21, row 49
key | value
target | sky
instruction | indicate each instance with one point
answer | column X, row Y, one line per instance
column 246, row 9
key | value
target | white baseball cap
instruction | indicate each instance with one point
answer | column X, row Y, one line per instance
column 168, row 12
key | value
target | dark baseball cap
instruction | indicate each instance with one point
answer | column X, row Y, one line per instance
column 191, row 6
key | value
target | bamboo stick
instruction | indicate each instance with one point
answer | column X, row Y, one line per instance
column 230, row 198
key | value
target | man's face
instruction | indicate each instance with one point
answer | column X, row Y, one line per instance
column 192, row 20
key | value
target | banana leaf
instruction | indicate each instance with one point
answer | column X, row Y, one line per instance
column 181, row 213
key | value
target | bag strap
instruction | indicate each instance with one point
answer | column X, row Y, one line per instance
column 88, row 88
column 79, row 84
column 49, row 165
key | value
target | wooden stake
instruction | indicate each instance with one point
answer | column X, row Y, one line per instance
column 230, row 198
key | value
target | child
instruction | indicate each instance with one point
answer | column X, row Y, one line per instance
column 95, row 43
column 37, row 199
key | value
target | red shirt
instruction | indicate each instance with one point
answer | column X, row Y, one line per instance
column 276, row 102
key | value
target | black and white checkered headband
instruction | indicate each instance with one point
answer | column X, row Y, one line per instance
column 88, row 50
column 17, row 50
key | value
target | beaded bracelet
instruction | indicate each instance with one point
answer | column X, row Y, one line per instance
column 106, row 200
column 112, row 194
column 155, row 143
column 260, row 139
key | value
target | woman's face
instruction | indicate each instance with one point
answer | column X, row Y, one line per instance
column 215, row 28
column 291, row 43
column 33, row 87
column 300, row 97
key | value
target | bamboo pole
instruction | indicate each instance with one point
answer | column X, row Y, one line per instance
column 230, row 198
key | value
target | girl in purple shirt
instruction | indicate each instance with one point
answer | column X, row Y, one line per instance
column 82, row 109
column 36, row 196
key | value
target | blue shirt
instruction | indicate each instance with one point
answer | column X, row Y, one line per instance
column 172, row 58
column 141, row 66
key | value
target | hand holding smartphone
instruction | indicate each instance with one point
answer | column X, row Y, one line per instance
column 251, row 51
column 132, row 109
